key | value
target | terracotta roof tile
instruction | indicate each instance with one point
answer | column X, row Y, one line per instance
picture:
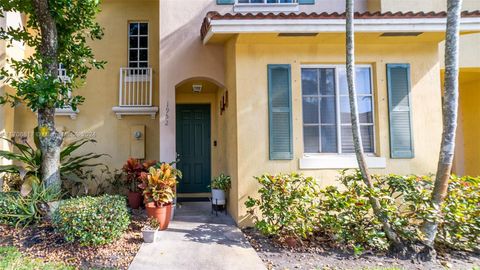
column 213, row 15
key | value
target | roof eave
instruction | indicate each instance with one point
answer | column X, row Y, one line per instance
column 239, row 26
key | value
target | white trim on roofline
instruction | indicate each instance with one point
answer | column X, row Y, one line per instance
column 239, row 26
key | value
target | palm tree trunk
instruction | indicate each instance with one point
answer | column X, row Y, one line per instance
column 450, row 109
column 50, row 139
column 377, row 208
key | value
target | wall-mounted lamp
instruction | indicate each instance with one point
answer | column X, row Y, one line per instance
column 197, row 88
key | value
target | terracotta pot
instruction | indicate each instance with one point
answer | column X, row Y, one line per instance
column 134, row 199
column 162, row 214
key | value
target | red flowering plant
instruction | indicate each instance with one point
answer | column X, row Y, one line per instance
column 135, row 171
column 159, row 184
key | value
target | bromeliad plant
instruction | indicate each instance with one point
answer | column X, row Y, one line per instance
column 27, row 159
column 159, row 184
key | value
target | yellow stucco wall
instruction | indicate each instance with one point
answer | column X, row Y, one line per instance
column 251, row 60
column 101, row 88
column 468, row 145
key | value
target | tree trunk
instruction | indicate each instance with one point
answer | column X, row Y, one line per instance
column 50, row 142
column 350, row 65
column 50, row 139
column 450, row 109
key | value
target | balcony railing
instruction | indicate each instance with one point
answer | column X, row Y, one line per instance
column 135, row 87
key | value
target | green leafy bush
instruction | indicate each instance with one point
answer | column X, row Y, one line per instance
column 288, row 205
column 461, row 214
column 344, row 212
column 17, row 210
column 92, row 220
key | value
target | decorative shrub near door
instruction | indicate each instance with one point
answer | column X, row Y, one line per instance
column 134, row 170
column 92, row 220
column 159, row 192
column 288, row 205
column 220, row 185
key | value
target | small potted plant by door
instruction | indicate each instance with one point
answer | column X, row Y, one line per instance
column 158, row 191
column 220, row 185
column 150, row 230
column 133, row 170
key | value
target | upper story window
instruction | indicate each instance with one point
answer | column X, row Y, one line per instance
column 266, row 6
column 138, row 44
column 326, row 110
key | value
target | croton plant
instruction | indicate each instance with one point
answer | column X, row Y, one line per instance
column 159, row 184
column 135, row 171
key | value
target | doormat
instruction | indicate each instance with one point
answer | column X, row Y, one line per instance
column 192, row 199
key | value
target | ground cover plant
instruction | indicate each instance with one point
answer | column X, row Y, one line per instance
column 11, row 258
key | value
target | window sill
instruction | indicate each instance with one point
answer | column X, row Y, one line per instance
column 145, row 110
column 67, row 112
column 285, row 7
column 339, row 162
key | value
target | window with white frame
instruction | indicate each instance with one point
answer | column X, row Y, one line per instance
column 138, row 44
column 326, row 109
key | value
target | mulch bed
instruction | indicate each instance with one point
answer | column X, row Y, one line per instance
column 324, row 254
column 41, row 241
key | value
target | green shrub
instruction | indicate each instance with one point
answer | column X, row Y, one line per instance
column 345, row 214
column 92, row 220
column 17, row 210
column 461, row 214
column 288, row 205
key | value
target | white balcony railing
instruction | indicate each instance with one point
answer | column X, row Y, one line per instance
column 135, row 93
column 135, row 87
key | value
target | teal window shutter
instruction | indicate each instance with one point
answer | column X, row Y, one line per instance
column 280, row 112
column 306, row 2
column 400, row 111
column 225, row 2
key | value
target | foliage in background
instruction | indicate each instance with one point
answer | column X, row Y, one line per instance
column 345, row 214
column 10, row 182
column 94, row 183
column 288, row 205
column 159, row 184
column 27, row 159
column 134, row 170
column 222, row 182
column 92, row 220
column 11, row 258
column 17, row 210
column 35, row 84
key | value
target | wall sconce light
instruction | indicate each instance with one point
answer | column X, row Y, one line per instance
column 197, row 88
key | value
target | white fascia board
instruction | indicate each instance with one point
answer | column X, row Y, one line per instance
column 228, row 26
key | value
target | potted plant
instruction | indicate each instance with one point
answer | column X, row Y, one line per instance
column 159, row 192
column 133, row 170
column 220, row 185
column 150, row 230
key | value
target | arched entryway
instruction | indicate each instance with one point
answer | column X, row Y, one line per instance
column 198, row 105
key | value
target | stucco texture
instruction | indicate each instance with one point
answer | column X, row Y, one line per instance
column 101, row 87
column 251, row 60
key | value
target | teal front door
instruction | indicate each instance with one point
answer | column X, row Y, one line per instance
column 193, row 147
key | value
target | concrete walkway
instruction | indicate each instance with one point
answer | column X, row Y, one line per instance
column 196, row 239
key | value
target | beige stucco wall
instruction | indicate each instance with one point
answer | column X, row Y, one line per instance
column 252, row 58
column 101, row 87
column 8, row 52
